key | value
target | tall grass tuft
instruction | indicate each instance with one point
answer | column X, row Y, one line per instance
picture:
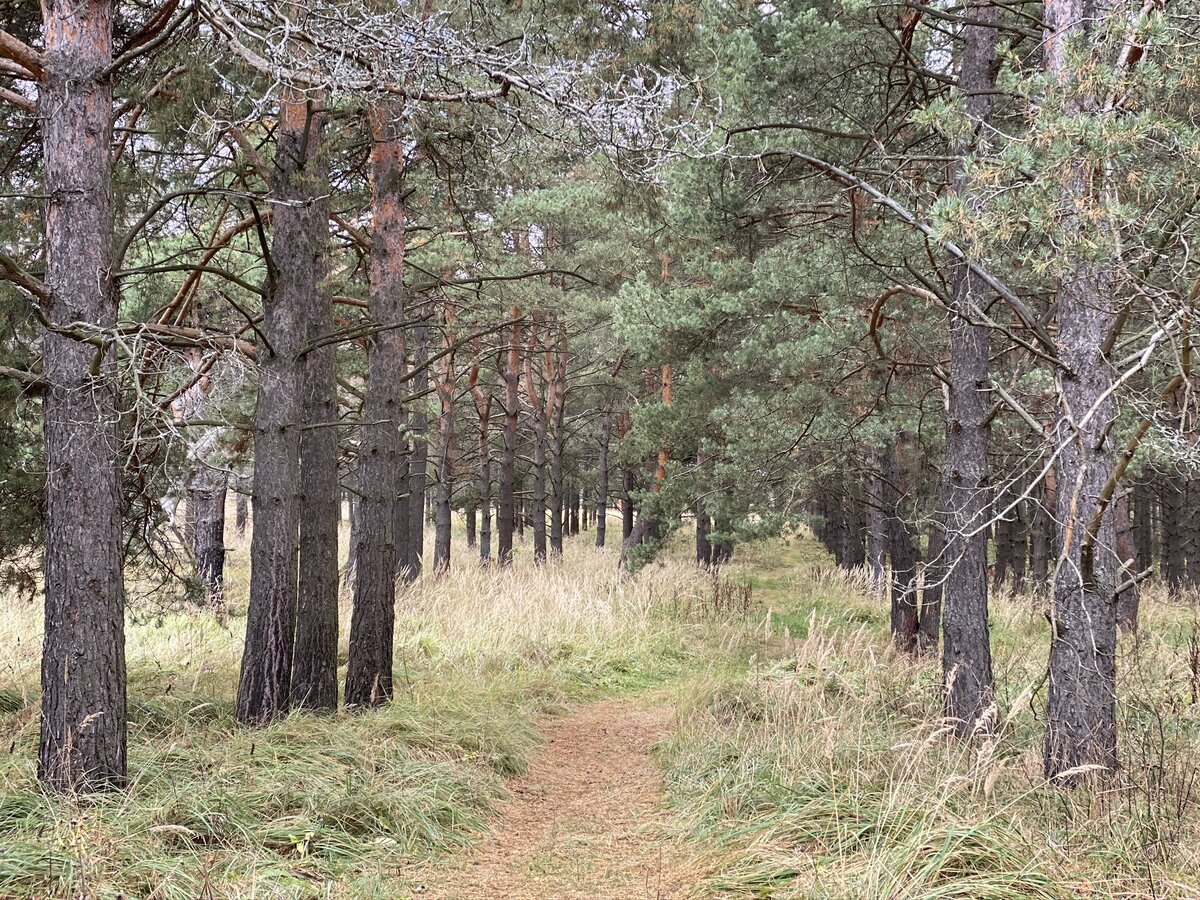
column 827, row 773
column 337, row 805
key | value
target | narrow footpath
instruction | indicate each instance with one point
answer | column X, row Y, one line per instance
column 584, row 822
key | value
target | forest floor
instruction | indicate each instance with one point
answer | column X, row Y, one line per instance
column 565, row 732
column 585, row 821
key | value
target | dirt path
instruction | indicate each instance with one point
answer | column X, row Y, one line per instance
column 582, row 821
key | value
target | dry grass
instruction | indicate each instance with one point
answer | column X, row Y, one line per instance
column 336, row 806
column 826, row 773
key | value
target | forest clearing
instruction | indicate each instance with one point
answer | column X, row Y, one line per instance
column 599, row 448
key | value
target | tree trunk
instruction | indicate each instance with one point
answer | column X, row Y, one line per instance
column 445, row 480
column 967, row 681
column 314, row 667
column 1019, row 555
column 627, row 487
column 541, row 424
column 413, row 550
column 704, row 549
column 380, row 453
column 602, row 481
column 1129, row 599
column 933, row 577
column 1041, row 538
column 876, row 528
column 1190, row 527
column 1143, row 524
column 1003, row 532
column 576, row 506
column 241, row 513
column 83, row 729
column 206, row 495
column 1173, row 566
column 903, row 552
column 855, row 534
column 1081, row 726
column 506, row 515
column 300, row 226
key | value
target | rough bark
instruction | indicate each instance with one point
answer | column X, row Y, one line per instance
column 314, row 667
column 967, row 681
column 381, row 442
column 903, row 552
column 447, row 385
column 412, row 550
column 511, row 375
column 1081, row 714
column 84, row 727
column 602, row 487
column 264, row 688
column 206, row 497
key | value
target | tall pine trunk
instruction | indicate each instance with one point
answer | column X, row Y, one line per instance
column 381, row 444
column 84, row 726
column 300, row 225
column 507, row 511
column 445, row 479
column 967, row 681
column 314, row 669
column 876, row 527
column 483, row 409
column 903, row 552
column 1081, row 726
column 412, row 550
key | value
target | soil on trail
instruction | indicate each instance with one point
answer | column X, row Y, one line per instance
column 583, row 820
